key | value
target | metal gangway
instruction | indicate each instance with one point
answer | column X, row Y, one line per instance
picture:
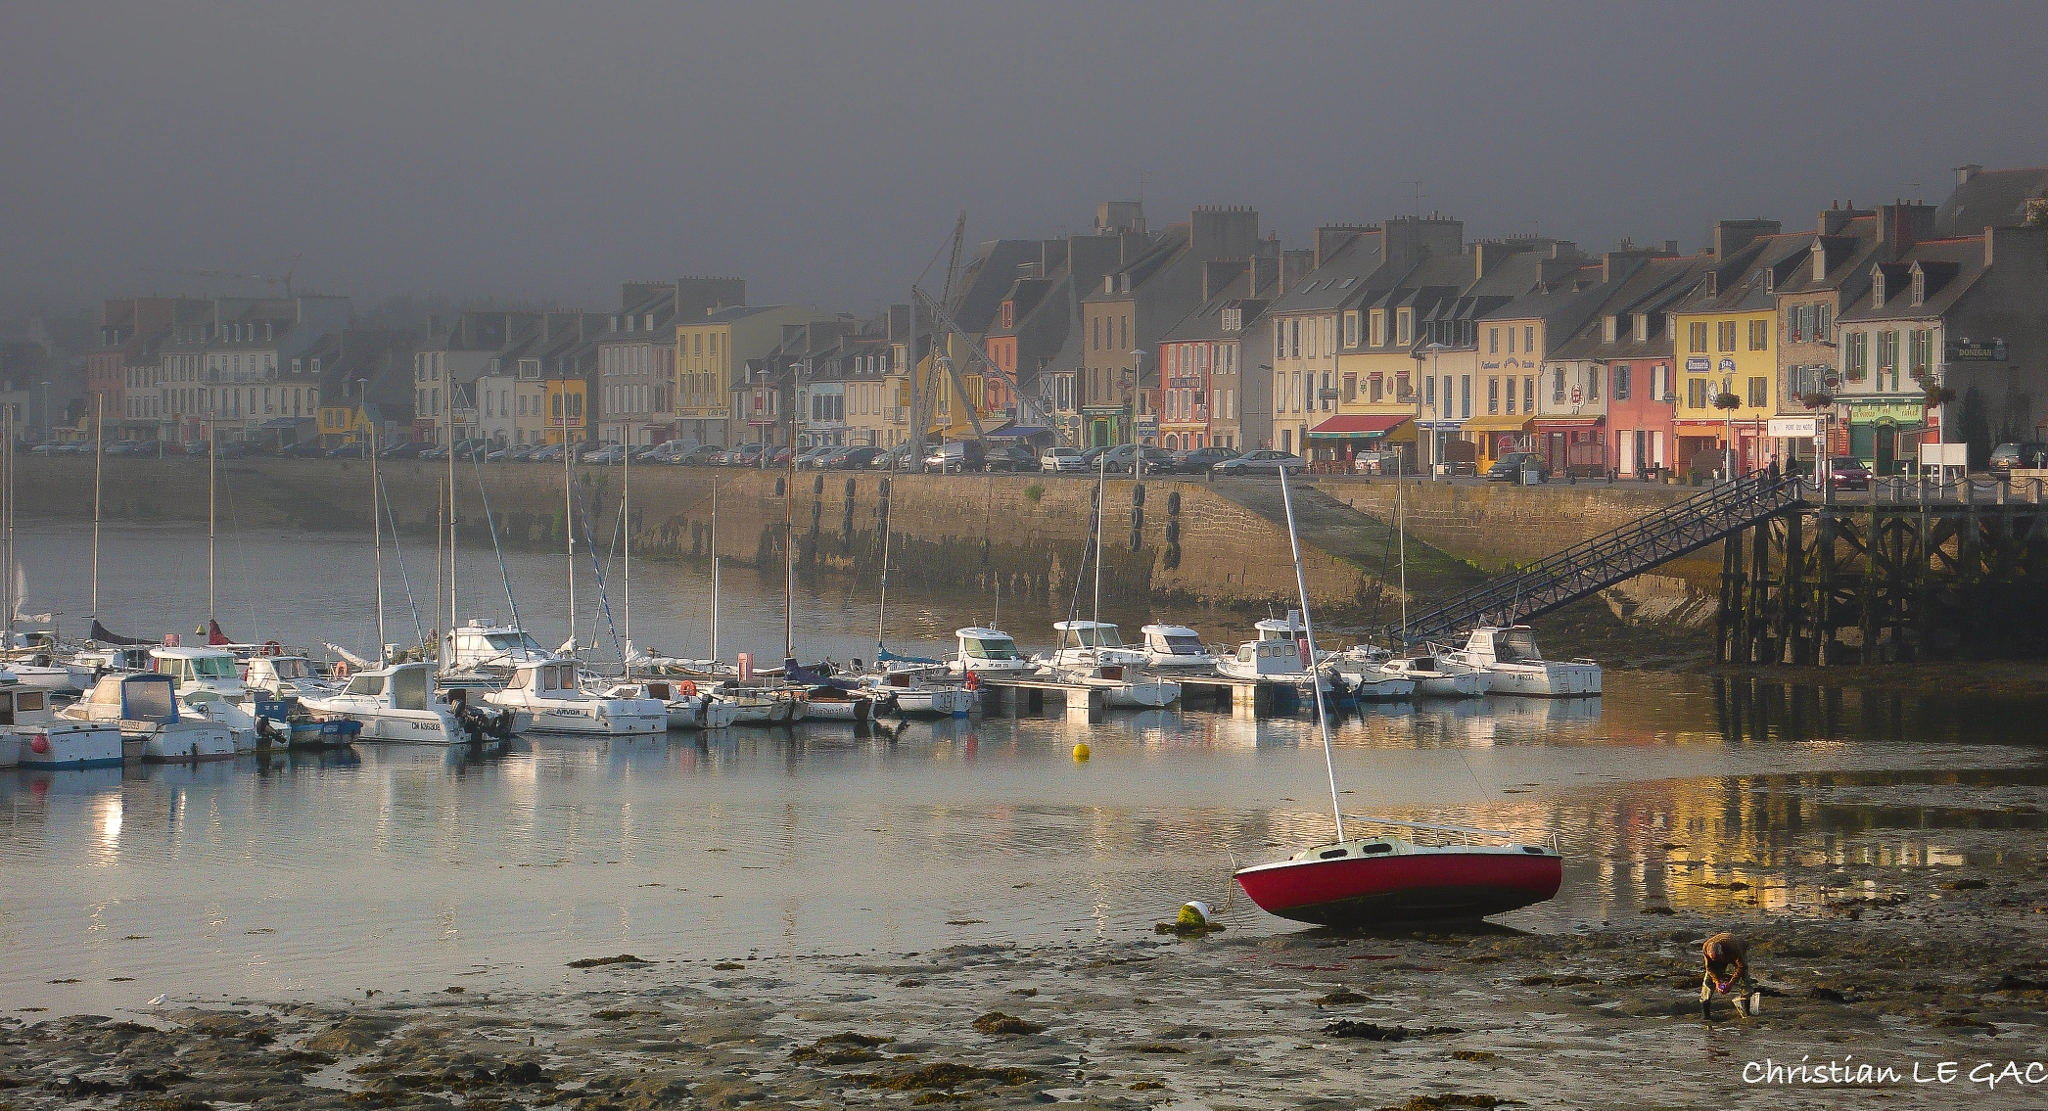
column 1594, row 565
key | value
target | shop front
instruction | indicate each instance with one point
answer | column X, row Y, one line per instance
column 1703, row 446
column 1885, row 433
column 1363, row 443
column 1495, row 435
column 1573, row 445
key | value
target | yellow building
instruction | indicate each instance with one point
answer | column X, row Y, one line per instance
column 711, row 358
column 1724, row 334
column 566, row 408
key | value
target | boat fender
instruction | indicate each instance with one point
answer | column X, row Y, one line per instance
column 973, row 682
column 40, row 745
column 340, row 669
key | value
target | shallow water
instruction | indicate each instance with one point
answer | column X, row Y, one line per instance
column 401, row 868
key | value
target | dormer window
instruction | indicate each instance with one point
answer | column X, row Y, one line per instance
column 1610, row 329
column 1642, row 327
column 1820, row 264
column 1877, row 289
column 1109, row 283
column 1770, row 281
column 1919, row 286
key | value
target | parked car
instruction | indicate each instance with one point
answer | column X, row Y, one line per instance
column 410, row 450
column 703, row 455
column 1061, row 460
column 957, row 457
column 1125, row 458
column 897, row 458
column 744, row 455
column 1261, row 461
column 604, row 455
column 2007, row 458
column 809, row 459
column 1010, row 458
column 232, row 449
column 547, row 453
column 1196, row 460
column 132, row 447
column 301, row 451
column 1847, row 472
column 847, row 458
column 348, row 451
column 1509, row 467
column 669, row 451
column 1090, row 455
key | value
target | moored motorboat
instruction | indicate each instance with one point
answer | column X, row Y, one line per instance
column 1122, row 688
column 1086, row 644
column 687, row 707
column 146, row 709
column 33, row 737
column 905, row 694
column 1433, row 680
column 553, row 695
column 399, row 703
column 826, row 702
column 988, row 652
column 1514, row 665
column 1175, row 648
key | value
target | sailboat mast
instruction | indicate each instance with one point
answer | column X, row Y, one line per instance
column 452, row 532
column 99, row 462
column 882, row 611
column 714, row 570
column 789, row 542
column 569, row 520
column 626, row 509
column 1308, row 626
column 1101, row 519
column 1401, row 525
column 7, row 523
column 377, row 538
column 212, row 452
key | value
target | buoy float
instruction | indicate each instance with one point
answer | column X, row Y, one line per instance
column 1081, row 752
column 40, row 745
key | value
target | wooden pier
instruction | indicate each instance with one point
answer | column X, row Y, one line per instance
column 1909, row 570
column 1245, row 697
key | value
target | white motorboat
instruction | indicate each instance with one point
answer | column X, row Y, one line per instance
column 235, row 717
column 1087, row 644
column 687, row 709
column 1433, row 680
column 146, row 710
column 286, row 677
column 1176, row 648
column 763, row 705
column 1273, row 660
column 827, row 702
column 1514, row 665
column 988, row 652
column 493, row 649
column 1374, row 686
column 113, row 659
column 399, row 703
column 214, row 671
column 552, row 694
column 33, row 737
column 1122, row 688
column 904, row 694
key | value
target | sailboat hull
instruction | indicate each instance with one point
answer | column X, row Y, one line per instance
column 1419, row 885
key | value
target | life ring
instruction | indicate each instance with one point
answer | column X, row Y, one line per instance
column 341, row 669
column 973, row 681
column 685, row 689
column 272, row 648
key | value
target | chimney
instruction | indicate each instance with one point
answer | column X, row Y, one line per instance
column 1331, row 238
column 1219, row 273
column 1731, row 236
column 1965, row 173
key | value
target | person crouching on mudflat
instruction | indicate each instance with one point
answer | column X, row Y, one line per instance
column 1727, row 972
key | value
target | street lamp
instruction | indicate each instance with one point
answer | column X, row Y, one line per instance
column 1134, row 390
column 1435, row 350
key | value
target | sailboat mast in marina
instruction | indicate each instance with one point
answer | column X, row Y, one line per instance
column 99, row 462
column 212, row 451
column 714, row 570
column 377, row 538
column 569, row 520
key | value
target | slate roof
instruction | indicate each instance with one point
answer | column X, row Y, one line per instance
column 1991, row 198
column 1952, row 266
column 1341, row 281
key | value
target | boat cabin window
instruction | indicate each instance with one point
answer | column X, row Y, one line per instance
column 29, row 700
column 1374, row 849
column 1097, row 636
column 989, row 648
column 372, row 685
column 1245, row 653
column 511, row 642
column 292, row 669
column 659, row 690
column 520, row 680
column 6, row 708
column 1180, row 644
column 1330, row 854
column 148, row 702
column 106, row 694
column 213, row 667
column 409, row 688
column 1515, row 646
column 1422, row 663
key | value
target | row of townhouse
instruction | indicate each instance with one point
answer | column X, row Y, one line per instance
column 1878, row 330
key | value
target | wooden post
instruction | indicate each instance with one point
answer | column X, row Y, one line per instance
column 1758, row 648
column 1791, row 592
column 1824, row 588
column 1871, row 571
column 1726, row 618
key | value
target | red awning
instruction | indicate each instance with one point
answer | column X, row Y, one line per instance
column 1568, row 422
column 1359, row 425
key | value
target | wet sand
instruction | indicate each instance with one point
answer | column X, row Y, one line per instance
column 1897, row 966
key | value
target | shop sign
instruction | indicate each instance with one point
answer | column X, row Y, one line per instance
column 1698, row 363
column 1986, row 351
column 1793, row 428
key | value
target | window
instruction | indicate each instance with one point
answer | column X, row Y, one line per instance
column 1379, row 328
column 1795, row 330
column 1922, row 351
column 1856, row 355
column 1888, row 350
column 1759, row 335
column 1511, row 395
column 1429, row 391
column 1351, row 388
column 1724, row 336
column 1404, row 323
column 1493, row 395
column 1623, row 387
column 1294, row 338
column 1528, row 393
column 1557, row 386
column 1759, row 392
column 1823, row 323
column 1528, row 337
column 1696, row 335
column 1378, row 385
column 1465, row 395
column 1351, row 329
column 1493, row 341
column 1511, row 340
column 1098, row 333
column 1695, row 393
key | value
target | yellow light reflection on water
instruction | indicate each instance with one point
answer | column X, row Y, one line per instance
column 106, row 818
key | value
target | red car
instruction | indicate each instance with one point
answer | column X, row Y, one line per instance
column 1848, row 473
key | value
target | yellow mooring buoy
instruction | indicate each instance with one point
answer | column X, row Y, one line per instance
column 1081, row 752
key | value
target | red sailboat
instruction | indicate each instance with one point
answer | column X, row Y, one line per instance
column 1388, row 880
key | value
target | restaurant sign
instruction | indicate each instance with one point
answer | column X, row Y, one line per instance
column 1985, row 351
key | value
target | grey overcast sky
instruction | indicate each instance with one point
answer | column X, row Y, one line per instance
column 545, row 151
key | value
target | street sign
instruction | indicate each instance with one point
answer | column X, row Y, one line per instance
column 1793, row 428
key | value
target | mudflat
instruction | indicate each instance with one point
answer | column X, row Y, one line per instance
column 1937, row 973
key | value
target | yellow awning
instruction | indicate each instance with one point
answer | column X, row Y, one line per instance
column 1497, row 422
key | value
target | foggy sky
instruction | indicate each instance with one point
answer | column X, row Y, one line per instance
column 547, row 151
